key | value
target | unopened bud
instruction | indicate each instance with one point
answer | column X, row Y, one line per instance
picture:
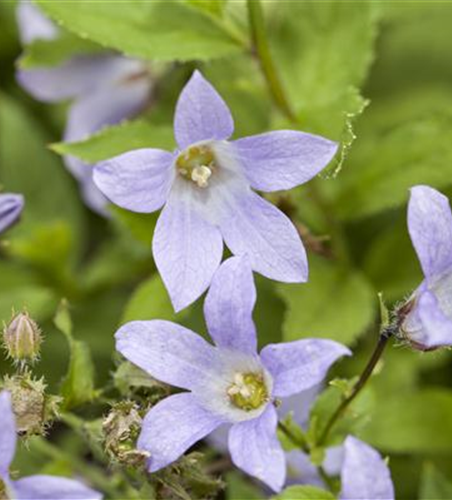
column 121, row 429
column 22, row 338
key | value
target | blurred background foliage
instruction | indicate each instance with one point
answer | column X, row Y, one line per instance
column 376, row 76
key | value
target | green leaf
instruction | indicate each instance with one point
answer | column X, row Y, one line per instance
column 78, row 385
column 324, row 51
column 434, row 486
column 47, row 53
column 410, row 146
column 149, row 301
column 157, row 30
column 304, row 493
column 419, row 422
column 336, row 303
column 27, row 167
column 215, row 7
column 112, row 141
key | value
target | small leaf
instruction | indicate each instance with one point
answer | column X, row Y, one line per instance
column 118, row 139
column 304, row 493
column 78, row 385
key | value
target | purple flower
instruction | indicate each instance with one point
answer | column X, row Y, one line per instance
column 364, row 473
column 105, row 88
column 33, row 487
column 205, row 188
column 11, row 206
column 33, row 24
column 229, row 383
column 428, row 321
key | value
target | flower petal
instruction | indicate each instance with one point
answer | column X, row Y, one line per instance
column 297, row 366
column 430, row 227
column 300, row 405
column 253, row 226
column 77, row 76
column 187, row 251
column 33, row 24
column 364, row 473
column 52, row 488
column 168, row 352
column 139, row 180
column 8, row 436
column 256, row 450
column 283, row 159
column 11, row 206
column 228, row 308
column 437, row 327
column 173, row 426
column 201, row 114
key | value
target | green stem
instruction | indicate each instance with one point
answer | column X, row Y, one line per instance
column 295, row 439
column 262, row 50
column 368, row 370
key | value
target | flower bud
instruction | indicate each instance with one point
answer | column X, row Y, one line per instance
column 22, row 338
column 121, row 429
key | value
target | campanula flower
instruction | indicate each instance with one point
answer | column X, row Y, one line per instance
column 39, row 487
column 427, row 322
column 229, row 383
column 11, row 206
column 105, row 89
column 205, row 189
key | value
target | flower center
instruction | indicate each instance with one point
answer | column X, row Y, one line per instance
column 248, row 392
column 197, row 163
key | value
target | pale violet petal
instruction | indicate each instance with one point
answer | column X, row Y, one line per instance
column 430, row 227
column 437, row 327
column 228, row 308
column 255, row 449
column 139, row 180
column 33, row 24
column 172, row 426
column 8, row 436
column 169, row 352
column 365, row 474
column 299, row 365
column 201, row 114
column 252, row 226
column 187, row 251
column 43, row 487
column 299, row 405
column 78, row 76
column 283, row 159
column 11, row 206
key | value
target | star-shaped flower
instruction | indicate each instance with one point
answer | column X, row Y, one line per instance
column 11, row 206
column 229, row 383
column 105, row 89
column 205, row 189
column 33, row 487
column 428, row 313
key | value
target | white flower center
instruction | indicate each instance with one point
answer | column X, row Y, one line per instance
column 197, row 164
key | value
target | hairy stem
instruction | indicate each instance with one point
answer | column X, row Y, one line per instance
column 262, row 51
column 385, row 335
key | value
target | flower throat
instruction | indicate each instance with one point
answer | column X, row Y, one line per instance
column 197, row 164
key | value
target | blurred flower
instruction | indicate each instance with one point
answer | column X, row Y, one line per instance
column 33, row 487
column 364, row 473
column 11, row 206
column 427, row 316
column 106, row 89
column 205, row 186
column 229, row 383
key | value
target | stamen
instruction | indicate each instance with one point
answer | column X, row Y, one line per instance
column 200, row 175
column 248, row 392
